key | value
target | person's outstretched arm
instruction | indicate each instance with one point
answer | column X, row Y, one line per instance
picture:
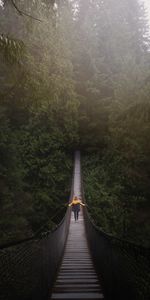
column 82, row 204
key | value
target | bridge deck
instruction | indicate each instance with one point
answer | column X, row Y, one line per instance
column 77, row 278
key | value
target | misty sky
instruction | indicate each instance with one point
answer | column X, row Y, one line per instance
column 147, row 6
column 146, row 2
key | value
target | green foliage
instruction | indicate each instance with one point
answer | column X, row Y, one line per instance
column 112, row 74
column 78, row 79
column 11, row 49
column 38, row 129
column 113, row 199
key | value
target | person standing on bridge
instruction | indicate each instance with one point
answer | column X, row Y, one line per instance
column 76, row 206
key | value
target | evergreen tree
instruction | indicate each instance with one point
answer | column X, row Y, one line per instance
column 74, row 74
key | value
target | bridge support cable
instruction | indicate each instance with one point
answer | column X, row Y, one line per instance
column 77, row 278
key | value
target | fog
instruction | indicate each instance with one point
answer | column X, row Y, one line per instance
column 147, row 7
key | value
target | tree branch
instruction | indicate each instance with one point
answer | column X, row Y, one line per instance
column 22, row 13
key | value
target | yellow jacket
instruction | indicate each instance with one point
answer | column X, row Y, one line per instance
column 76, row 201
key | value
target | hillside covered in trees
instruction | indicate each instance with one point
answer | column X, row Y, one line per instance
column 74, row 75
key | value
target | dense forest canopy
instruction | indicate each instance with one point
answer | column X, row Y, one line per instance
column 75, row 74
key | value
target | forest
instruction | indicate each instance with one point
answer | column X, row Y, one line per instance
column 74, row 74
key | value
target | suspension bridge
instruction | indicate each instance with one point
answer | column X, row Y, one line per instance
column 76, row 260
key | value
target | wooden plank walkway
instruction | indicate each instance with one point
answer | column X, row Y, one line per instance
column 77, row 278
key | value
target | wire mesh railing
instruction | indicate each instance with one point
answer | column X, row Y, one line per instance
column 123, row 267
column 28, row 269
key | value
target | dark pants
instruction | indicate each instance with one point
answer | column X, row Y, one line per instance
column 76, row 214
column 76, row 209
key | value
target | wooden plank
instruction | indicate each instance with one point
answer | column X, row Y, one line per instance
column 77, row 277
column 69, row 289
column 93, row 285
column 77, row 273
column 78, row 296
column 76, row 280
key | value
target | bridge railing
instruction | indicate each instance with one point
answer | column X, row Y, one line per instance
column 28, row 268
column 123, row 267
